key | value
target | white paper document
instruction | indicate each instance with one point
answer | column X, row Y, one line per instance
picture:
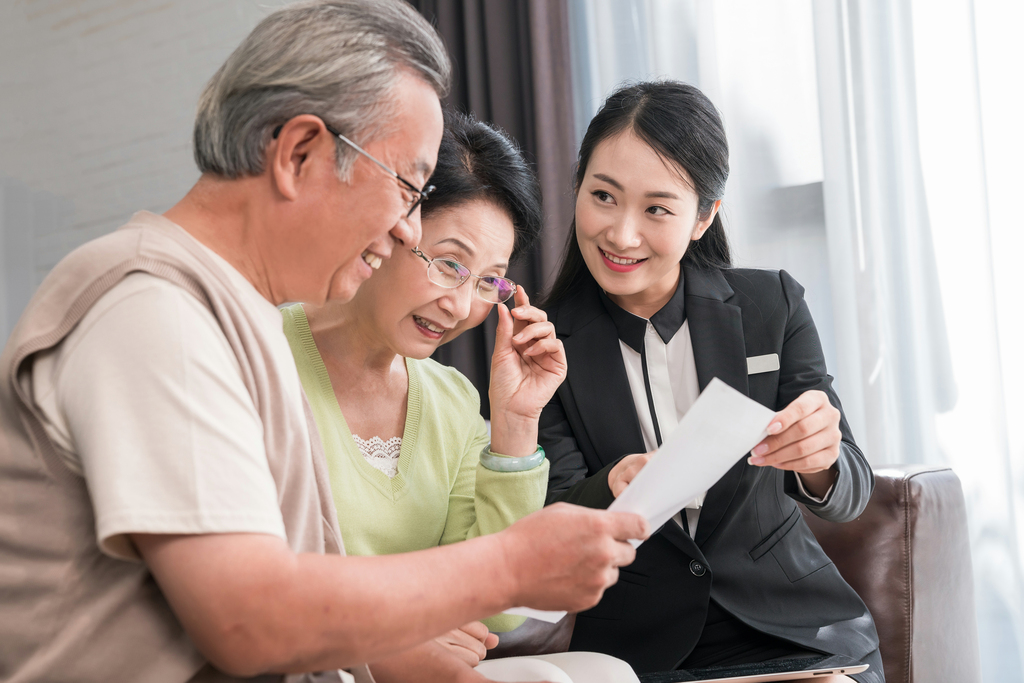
column 719, row 429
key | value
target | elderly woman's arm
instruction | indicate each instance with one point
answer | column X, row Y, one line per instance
column 504, row 478
column 485, row 501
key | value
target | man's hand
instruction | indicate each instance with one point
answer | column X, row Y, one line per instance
column 565, row 556
column 626, row 470
column 804, row 438
column 469, row 643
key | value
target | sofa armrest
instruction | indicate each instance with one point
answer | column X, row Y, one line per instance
column 908, row 557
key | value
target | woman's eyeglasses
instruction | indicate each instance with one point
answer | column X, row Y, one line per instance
column 448, row 273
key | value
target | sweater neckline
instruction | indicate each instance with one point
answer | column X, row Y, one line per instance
column 392, row 488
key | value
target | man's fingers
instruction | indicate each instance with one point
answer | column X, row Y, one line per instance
column 491, row 641
column 625, row 553
column 627, row 525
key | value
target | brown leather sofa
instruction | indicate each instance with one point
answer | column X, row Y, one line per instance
column 907, row 556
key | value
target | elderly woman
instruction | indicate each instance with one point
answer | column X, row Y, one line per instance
column 411, row 463
column 160, row 516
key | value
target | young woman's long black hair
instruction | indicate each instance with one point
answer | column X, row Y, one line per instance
column 478, row 161
column 684, row 128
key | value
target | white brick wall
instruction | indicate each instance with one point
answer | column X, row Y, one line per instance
column 96, row 106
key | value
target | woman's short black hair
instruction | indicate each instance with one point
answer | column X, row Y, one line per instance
column 682, row 125
column 478, row 161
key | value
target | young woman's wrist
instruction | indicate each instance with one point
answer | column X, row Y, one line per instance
column 819, row 483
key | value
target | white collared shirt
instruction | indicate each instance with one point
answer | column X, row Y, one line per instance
column 672, row 372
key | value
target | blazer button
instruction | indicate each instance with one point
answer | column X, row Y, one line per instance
column 697, row 569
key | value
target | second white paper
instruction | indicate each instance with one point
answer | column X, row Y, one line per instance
column 720, row 428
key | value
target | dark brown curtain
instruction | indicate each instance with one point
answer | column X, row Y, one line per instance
column 512, row 68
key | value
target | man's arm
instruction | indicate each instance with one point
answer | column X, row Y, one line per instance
column 252, row 606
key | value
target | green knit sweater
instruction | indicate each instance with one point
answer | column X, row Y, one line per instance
column 441, row 493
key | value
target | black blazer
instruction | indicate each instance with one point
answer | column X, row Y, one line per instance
column 753, row 552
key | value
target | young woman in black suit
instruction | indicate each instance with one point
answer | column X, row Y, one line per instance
column 650, row 310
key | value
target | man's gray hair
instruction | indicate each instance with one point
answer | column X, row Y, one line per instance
column 337, row 59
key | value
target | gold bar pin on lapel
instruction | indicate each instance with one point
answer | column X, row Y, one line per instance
column 766, row 363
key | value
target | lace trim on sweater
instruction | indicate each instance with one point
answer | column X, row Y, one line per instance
column 382, row 455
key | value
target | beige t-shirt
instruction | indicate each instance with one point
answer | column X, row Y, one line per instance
column 146, row 400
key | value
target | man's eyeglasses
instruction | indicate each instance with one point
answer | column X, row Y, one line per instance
column 419, row 196
column 448, row 273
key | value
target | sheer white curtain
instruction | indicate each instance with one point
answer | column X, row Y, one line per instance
column 877, row 155
column 922, row 162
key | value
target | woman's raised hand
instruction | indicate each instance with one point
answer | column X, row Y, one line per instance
column 527, row 366
column 804, row 438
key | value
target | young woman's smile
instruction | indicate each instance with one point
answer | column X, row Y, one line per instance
column 635, row 217
column 621, row 264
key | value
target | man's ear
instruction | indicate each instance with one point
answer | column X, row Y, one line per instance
column 292, row 152
column 704, row 223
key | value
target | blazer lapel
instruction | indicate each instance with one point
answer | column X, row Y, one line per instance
column 597, row 377
column 716, row 330
column 719, row 350
column 600, row 388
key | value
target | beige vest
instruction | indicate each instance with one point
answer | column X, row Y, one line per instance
column 67, row 611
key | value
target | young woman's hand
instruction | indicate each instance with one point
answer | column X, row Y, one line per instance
column 625, row 471
column 526, row 369
column 804, row 438
column 469, row 643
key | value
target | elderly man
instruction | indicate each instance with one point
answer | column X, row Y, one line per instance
column 164, row 514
